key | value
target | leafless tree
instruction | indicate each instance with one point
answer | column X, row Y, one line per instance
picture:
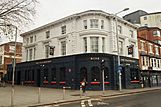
column 17, row 12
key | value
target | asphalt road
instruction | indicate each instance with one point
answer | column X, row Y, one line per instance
column 148, row 99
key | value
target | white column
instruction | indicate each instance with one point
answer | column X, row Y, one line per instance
column 100, row 45
column 88, row 45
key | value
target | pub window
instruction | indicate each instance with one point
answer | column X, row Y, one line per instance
column 103, row 44
column 62, row 74
column 85, row 24
column 47, row 34
column 53, row 74
column 33, row 75
column 46, row 74
column 46, row 50
column 31, row 39
column 106, row 74
column 94, row 23
column 63, row 47
column 63, row 29
column 30, row 54
column 85, row 44
column 95, row 74
column 119, row 29
column 83, row 73
column 134, row 73
column 94, row 44
column 102, row 24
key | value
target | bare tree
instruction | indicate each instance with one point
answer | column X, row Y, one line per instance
column 17, row 12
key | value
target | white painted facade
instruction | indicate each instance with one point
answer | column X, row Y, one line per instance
column 151, row 20
column 101, row 38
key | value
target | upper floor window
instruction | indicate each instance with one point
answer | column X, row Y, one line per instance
column 119, row 29
column 156, row 33
column 0, row 59
column 31, row 39
column 26, row 54
column 63, row 47
column 85, row 24
column 145, row 18
column 94, row 23
column 120, row 47
column 102, row 24
column 131, row 34
column 35, row 37
column 27, row 40
column 46, row 50
column 47, row 34
column 85, row 44
column 30, row 54
column 63, row 29
column 34, row 53
column 150, row 48
column 94, row 44
column 156, row 50
column 142, row 46
column 103, row 44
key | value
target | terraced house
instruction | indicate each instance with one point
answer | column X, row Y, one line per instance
column 149, row 40
column 64, row 52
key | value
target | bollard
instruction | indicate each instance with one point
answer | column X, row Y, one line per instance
column 63, row 93
column 39, row 92
column 80, row 91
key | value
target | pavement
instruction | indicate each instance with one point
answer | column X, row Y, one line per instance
column 26, row 96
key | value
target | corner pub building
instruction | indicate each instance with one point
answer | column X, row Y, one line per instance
column 66, row 51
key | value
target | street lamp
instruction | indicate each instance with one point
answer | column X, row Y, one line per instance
column 14, row 61
column 118, row 55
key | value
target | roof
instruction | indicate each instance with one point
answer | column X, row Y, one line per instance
column 71, row 17
column 134, row 12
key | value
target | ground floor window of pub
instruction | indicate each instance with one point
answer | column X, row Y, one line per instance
column 62, row 73
column 95, row 74
column 53, row 74
column 106, row 74
column 83, row 73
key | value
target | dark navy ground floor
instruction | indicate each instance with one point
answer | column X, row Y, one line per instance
column 71, row 70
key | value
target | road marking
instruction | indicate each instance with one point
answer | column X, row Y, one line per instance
column 89, row 103
column 82, row 103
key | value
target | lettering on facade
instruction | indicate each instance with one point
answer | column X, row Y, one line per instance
column 43, row 62
column 128, row 60
column 94, row 58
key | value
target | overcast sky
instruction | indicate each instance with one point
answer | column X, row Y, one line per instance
column 51, row 10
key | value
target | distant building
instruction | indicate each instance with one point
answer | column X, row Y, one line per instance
column 64, row 52
column 151, row 20
column 149, row 43
column 7, row 55
column 134, row 17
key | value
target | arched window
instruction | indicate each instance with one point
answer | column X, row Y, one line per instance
column 106, row 74
column 53, row 74
column 95, row 71
column 83, row 73
column 62, row 73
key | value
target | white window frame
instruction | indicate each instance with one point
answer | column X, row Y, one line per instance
column 94, row 44
column 93, row 23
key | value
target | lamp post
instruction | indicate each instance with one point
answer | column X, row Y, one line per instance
column 118, row 55
column 14, row 61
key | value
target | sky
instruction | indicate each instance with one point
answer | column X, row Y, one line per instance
column 52, row 10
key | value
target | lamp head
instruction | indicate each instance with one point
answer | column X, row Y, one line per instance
column 126, row 9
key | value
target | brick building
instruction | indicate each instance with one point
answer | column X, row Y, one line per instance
column 149, row 47
column 7, row 55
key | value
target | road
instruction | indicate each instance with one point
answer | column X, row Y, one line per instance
column 148, row 99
